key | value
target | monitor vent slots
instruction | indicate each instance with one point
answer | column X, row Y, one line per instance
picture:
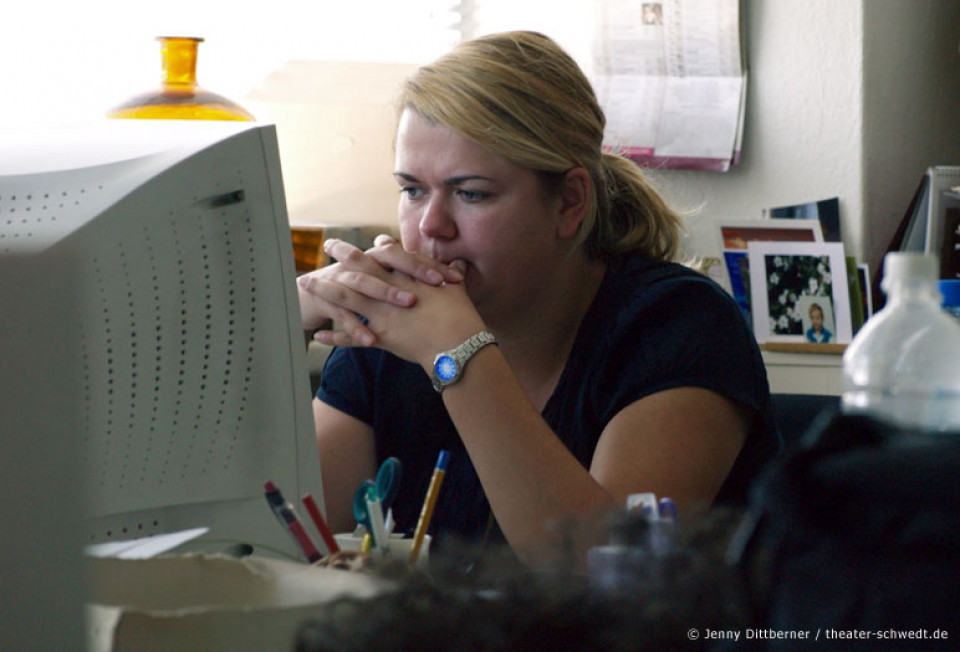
column 25, row 217
column 145, row 359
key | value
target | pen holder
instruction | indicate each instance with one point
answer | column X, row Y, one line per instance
column 622, row 567
column 639, row 543
column 399, row 546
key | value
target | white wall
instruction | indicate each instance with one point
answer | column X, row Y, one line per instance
column 803, row 124
column 911, row 106
column 335, row 127
column 846, row 98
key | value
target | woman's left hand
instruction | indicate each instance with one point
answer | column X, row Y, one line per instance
column 441, row 318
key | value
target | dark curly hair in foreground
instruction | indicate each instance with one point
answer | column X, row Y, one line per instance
column 470, row 601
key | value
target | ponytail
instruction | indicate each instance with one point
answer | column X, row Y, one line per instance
column 630, row 215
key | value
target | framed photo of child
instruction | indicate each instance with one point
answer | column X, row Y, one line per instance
column 735, row 235
column 799, row 292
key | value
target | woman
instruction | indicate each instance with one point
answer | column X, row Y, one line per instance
column 614, row 370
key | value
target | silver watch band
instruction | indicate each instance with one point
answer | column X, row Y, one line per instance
column 474, row 343
column 448, row 366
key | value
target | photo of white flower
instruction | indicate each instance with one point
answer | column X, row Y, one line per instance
column 788, row 279
column 794, row 295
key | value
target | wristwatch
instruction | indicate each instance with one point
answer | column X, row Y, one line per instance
column 448, row 366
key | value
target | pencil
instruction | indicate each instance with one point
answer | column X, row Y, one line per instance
column 321, row 524
column 429, row 502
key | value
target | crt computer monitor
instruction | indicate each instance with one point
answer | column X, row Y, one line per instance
column 188, row 364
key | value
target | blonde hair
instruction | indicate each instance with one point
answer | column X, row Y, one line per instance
column 520, row 95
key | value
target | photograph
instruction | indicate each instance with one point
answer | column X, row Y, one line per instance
column 652, row 13
column 736, row 235
column 787, row 281
column 816, row 315
column 826, row 212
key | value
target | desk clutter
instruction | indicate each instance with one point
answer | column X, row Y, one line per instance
column 854, row 529
column 482, row 598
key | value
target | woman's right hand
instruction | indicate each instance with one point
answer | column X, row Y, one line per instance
column 324, row 294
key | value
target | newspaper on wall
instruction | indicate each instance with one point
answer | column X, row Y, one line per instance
column 670, row 77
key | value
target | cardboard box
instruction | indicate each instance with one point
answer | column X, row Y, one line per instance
column 204, row 602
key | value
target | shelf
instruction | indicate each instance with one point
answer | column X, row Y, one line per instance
column 804, row 347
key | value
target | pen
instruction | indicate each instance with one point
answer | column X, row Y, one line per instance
column 321, row 524
column 667, row 509
column 429, row 502
column 291, row 522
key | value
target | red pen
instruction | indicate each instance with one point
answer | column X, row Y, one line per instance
column 291, row 522
column 321, row 524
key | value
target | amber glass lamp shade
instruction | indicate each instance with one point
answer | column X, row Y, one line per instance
column 179, row 97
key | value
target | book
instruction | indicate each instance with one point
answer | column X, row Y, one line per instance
column 950, row 240
column 942, row 179
column 921, row 228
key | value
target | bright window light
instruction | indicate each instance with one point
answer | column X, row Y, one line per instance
column 71, row 62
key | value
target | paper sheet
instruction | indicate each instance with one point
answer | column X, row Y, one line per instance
column 146, row 547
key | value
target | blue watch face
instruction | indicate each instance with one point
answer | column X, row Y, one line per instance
column 446, row 368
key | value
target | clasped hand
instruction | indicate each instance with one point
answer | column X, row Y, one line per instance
column 414, row 306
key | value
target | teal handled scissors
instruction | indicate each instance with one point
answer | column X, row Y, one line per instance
column 373, row 499
column 388, row 482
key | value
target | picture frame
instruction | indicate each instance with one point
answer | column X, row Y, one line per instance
column 735, row 235
column 787, row 279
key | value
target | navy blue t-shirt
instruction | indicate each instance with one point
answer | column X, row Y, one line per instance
column 652, row 326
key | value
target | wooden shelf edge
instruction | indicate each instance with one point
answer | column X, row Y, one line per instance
column 804, row 347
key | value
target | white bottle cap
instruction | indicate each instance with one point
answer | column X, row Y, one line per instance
column 899, row 265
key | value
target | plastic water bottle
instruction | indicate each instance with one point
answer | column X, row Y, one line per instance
column 903, row 367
